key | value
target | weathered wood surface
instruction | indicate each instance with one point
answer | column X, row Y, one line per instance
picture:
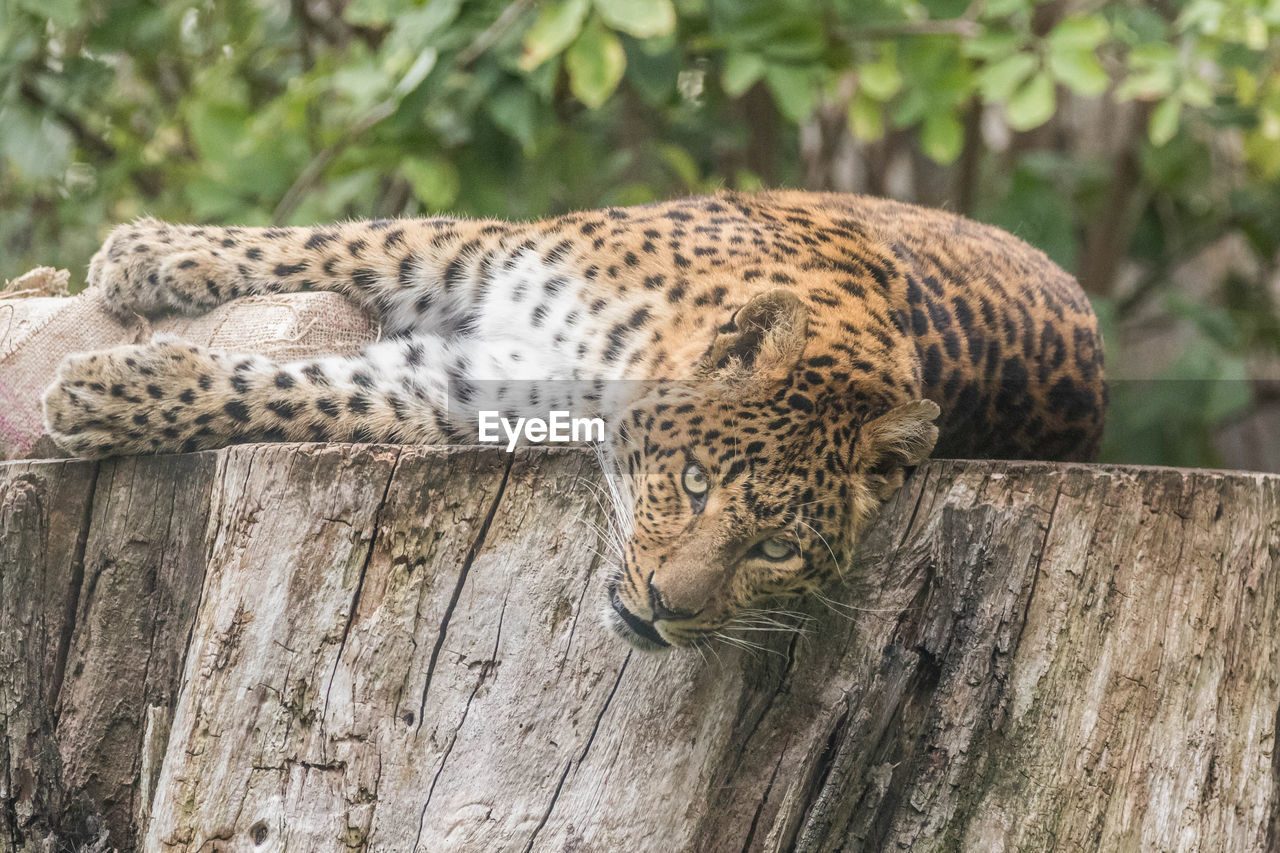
column 310, row 647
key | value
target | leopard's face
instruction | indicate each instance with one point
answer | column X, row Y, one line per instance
column 744, row 487
column 728, row 511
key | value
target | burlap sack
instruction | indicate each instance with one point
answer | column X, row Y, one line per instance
column 37, row 330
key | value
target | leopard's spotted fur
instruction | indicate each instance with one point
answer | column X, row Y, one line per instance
column 812, row 332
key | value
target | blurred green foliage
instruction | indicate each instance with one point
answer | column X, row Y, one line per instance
column 256, row 111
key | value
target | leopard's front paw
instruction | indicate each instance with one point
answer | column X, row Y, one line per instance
column 153, row 398
column 152, row 268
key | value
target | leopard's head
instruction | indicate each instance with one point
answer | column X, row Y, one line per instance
column 753, row 481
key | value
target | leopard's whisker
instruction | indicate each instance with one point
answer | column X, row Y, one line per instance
column 847, row 610
column 834, row 559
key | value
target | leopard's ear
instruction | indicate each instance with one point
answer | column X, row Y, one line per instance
column 763, row 340
column 899, row 439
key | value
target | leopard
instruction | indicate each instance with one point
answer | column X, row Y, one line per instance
column 772, row 366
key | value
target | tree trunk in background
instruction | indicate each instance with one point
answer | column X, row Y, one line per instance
column 327, row 647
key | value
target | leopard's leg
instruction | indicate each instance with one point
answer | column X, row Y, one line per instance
column 170, row 396
column 403, row 271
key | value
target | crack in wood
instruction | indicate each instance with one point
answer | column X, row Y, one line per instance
column 1273, row 822
column 462, row 580
column 486, row 667
column 764, row 799
column 73, row 592
column 364, row 569
column 472, row 552
column 546, row 815
column 603, row 708
column 815, row 799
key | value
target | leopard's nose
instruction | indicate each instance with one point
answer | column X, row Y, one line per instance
column 660, row 608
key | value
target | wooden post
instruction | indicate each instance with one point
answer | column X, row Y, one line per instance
column 330, row 647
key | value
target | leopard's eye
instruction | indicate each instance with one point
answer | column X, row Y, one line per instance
column 695, row 480
column 776, row 549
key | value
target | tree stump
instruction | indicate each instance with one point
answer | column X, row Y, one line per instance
column 329, row 647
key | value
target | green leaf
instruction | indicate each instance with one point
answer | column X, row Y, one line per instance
column 217, row 131
column 363, row 83
column 514, row 109
column 653, row 74
column 1256, row 32
column 866, row 117
column 741, row 72
column 374, row 13
column 37, row 145
column 794, row 90
column 596, row 62
column 991, row 45
column 683, row 165
column 64, row 13
column 942, row 137
column 1081, row 32
column 417, row 28
column 639, row 18
column 1080, row 71
column 1152, row 73
column 555, row 29
column 881, row 80
column 1146, row 85
column 912, row 107
column 434, row 180
column 1032, row 105
column 1196, row 91
column 1003, row 8
column 998, row 82
column 1072, row 59
column 1246, row 84
column 1163, row 125
column 788, row 31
